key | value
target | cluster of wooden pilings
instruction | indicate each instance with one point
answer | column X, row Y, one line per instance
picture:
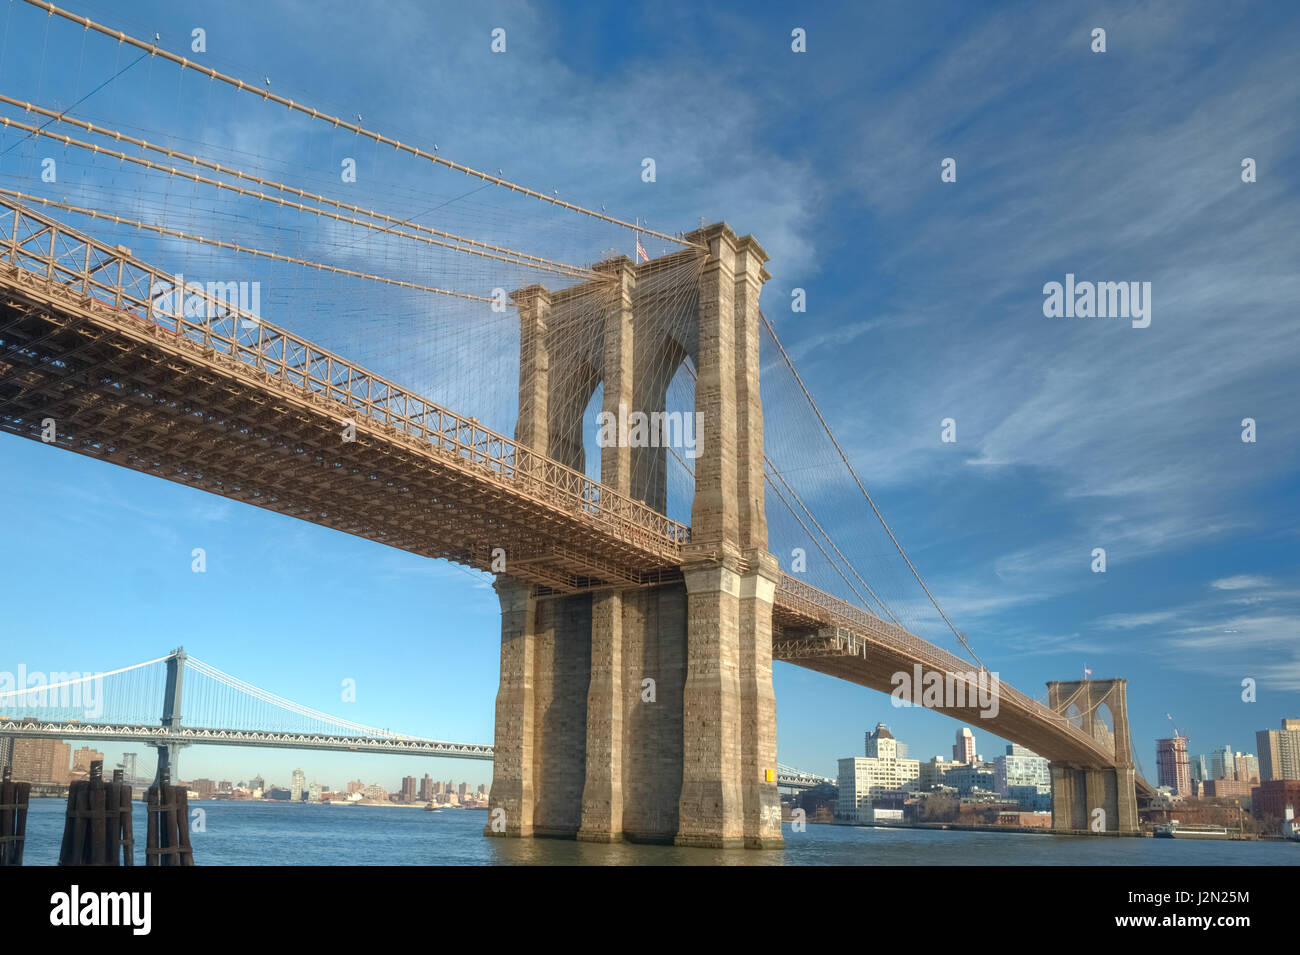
column 97, row 825
column 97, row 828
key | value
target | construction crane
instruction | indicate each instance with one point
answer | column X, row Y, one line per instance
column 1170, row 718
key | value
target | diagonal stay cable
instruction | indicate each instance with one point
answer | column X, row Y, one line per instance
column 880, row 517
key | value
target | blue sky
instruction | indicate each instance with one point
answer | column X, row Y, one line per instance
column 924, row 302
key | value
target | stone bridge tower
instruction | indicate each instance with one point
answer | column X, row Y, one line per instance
column 1078, row 791
column 580, row 751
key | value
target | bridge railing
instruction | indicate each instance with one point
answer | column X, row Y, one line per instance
column 205, row 315
column 817, row 604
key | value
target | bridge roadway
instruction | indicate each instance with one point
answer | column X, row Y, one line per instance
column 236, row 406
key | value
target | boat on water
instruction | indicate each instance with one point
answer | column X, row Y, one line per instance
column 1175, row 830
column 430, row 807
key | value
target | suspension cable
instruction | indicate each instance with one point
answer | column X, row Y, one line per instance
column 336, row 121
column 573, row 271
column 880, row 517
column 234, row 246
column 83, row 679
column 263, row 197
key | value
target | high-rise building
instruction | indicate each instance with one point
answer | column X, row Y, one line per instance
column 41, row 761
column 297, row 786
column 963, row 751
column 1221, row 764
column 463, row 791
column 1171, row 765
column 408, row 788
column 1198, row 769
column 900, row 748
column 426, row 788
column 313, row 792
column 356, row 786
column 1279, row 751
column 257, row 782
column 1247, row 766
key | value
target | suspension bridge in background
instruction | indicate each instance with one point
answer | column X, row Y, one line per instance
column 202, row 705
column 642, row 551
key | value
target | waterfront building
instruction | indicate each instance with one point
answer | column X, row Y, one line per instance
column 1228, row 789
column 1279, row 751
column 932, row 773
column 408, row 789
column 967, row 778
column 298, row 785
column 862, row 779
column 1020, row 767
column 1270, row 798
column 1033, row 798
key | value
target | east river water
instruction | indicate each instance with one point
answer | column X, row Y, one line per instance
column 257, row 833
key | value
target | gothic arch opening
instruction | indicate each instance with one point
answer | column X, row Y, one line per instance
column 1103, row 728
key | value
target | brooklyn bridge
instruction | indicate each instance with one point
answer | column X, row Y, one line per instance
column 140, row 362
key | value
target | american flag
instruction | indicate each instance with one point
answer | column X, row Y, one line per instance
column 642, row 252
column 1087, row 672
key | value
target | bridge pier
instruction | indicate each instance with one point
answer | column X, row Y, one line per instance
column 647, row 713
column 1079, row 792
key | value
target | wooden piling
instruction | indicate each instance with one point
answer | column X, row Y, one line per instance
column 127, row 835
column 13, row 819
column 168, row 840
